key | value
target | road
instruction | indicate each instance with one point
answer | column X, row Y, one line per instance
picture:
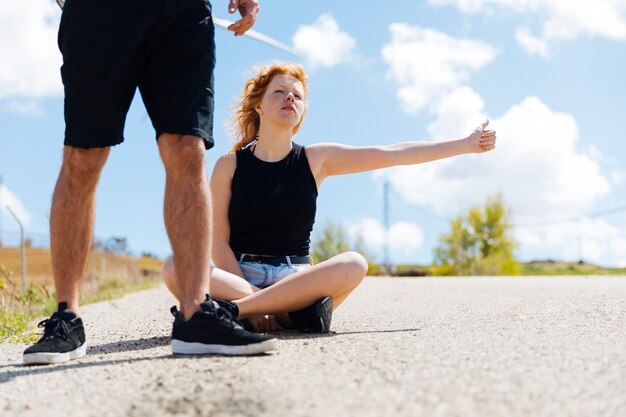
column 528, row 346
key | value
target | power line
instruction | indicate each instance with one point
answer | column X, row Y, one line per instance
column 573, row 219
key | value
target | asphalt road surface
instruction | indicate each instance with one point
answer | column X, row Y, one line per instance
column 399, row 347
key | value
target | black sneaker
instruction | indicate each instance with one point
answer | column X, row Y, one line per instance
column 212, row 330
column 234, row 313
column 315, row 318
column 63, row 339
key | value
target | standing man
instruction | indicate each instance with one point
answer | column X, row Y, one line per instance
column 166, row 48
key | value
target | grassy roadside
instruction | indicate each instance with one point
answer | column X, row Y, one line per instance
column 19, row 310
column 533, row 268
column 550, row 267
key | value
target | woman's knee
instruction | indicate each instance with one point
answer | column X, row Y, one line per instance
column 169, row 272
column 355, row 265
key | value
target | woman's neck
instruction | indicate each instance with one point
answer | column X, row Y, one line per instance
column 273, row 144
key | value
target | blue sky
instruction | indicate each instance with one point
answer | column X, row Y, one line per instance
column 545, row 72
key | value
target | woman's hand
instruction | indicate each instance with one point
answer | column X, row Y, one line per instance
column 264, row 324
column 482, row 140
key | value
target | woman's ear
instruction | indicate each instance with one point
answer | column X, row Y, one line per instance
column 259, row 110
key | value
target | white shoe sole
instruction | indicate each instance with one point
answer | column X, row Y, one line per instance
column 188, row 348
column 46, row 358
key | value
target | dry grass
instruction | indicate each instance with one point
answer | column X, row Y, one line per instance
column 108, row 276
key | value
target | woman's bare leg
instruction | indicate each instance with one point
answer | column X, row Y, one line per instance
column 227, row 286
column 336, row 277
column 224, row 285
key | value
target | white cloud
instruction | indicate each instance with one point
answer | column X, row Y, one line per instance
column 322, row 43
column 457, row 114
column 618, row 177
column 538, row 166
column 561, row 20
column 7, row 198
column 593, row 240
column 405, row 239
column 427, row 64
column 531, row 44
column 30, row 56
column 29, row 108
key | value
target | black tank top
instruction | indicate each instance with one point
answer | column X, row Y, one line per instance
column 272, row 206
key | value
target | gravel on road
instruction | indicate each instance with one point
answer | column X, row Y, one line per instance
column 527, row 346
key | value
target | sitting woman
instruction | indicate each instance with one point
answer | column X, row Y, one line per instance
column 264, row 201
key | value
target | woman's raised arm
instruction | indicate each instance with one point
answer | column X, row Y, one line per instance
column 329, row 159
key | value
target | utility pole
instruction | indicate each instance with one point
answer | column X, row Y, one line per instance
column 386, row 261
column 23, row 246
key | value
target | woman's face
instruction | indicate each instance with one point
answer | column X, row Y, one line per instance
column 283, row 101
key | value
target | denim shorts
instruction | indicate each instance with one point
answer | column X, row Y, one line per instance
column 263, row 275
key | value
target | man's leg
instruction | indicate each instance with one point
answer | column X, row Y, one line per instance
column 202, row 326
column 71, row 232
column 72, row 219
column 187, row 214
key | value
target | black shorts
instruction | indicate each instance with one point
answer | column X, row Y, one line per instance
column 111, row 47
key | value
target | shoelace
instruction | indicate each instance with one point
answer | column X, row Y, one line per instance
column 225, row 315
column 54, row 326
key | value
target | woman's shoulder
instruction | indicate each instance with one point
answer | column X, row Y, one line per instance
column 226, row 163
column 320, row 150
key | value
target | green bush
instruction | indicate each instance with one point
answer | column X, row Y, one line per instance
column 479, row 243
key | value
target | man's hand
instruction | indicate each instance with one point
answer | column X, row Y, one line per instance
column 249, row 9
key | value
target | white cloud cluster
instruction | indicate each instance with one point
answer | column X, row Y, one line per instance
column 539, row 167
column 30, row 56
column 322, row 43
column 427, row 64
column 405, row 239
column 593, row 240
column 7, row 198
column 561, row 20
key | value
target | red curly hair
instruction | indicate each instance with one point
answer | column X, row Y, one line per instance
column 245, row 121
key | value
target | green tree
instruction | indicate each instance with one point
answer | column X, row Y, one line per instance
column 333, row 240
column 479, row 243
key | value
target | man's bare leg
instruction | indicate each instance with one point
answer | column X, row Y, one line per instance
column 72, row 219
column 187, row 213
column 207, row 329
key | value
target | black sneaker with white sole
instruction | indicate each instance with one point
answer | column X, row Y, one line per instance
column 314, row 318
column 63, row 339
column 234, row 313
column 212, row 330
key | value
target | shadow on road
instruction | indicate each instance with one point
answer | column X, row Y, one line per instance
column 380, row 331
column 80, row 364
column 129, row 345
column 148, row 343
